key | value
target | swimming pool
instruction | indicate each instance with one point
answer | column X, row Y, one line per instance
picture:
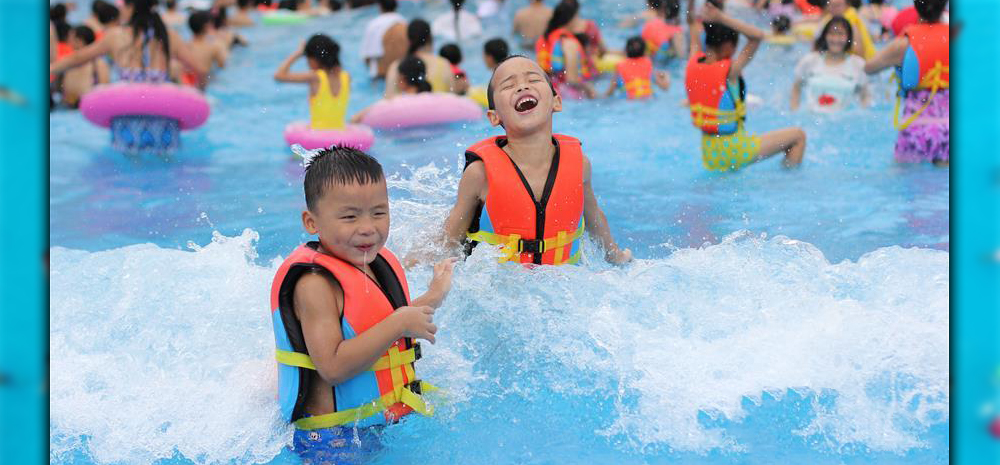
column 772, row 316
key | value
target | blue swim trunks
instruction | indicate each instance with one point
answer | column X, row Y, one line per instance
column 337, row 445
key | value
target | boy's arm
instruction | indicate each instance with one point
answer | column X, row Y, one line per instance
column 471, row 188
column 319, row 303
column 612, row 86
column 796, row 94
column 221, row 55
column 662, row 79
column 440, row 284
column 180, row 48
column 79, row 57
column 597, row 223
column 891, row 55
column 103, row 72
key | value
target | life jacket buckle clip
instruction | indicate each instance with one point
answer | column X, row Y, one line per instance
column 413, row 386
column 416, row 351
column 531, row 246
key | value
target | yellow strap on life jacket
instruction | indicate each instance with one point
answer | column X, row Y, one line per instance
column 702, row 114
column 395, row 359
column 933, row 81
column 401, row 394
column 510, row 243
column 638, row 88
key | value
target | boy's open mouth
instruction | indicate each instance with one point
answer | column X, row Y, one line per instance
column 525, row 103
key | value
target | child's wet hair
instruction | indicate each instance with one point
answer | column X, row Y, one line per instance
column 84, row 34
column 717, row 34
column 221, row 18
column 419, row 34
column 497, row 49
column 781, row 24
column 821, row 46
column 671, row 9
column 387, row 5
column 198, row 20
column 338, row 165
column 104, row 11
column 324, row 50
column 489, row 87
column 930, row 10
column 635, row 47
column 413, row 70
column 452, row 53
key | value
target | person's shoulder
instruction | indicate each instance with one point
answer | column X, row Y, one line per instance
column 855, row 61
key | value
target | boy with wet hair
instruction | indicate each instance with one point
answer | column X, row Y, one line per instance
column 495, row 50
column 635, row 74
column 203, row 49
column 344, row 324
column 528, row 191
column 80, row 80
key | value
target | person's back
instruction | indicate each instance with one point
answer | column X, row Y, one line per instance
column 204, row 50
column 457, row 25
column 171, row 16
column 530, row 22
column 78, row 81
column 242, row 17
column 384, row 39
column 347, row 356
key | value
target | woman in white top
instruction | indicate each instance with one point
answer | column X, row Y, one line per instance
column 830, row 77
column 457, row 25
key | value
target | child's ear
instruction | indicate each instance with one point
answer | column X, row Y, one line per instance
column 309, row 222
column 494, row 118
column 556, row 103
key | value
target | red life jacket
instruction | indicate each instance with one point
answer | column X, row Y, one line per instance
column 714, row 109
column 657, row 34
column 925, row 65
column 552, row 58
column 542, row 232
column 635, row 75
column 380, row 395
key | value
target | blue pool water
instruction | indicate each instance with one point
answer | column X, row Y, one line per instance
column 772, row 316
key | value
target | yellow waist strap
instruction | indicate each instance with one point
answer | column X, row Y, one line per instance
column 703, row 115
column 933, row 81
column 402, row 394
column 511, row 244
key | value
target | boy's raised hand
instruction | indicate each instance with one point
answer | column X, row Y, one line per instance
column 417, row 322
column 618, row 256
column 711, row 13
column 443, row 271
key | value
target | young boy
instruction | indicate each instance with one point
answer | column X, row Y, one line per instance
column 80, row 80
column 635, row 73
column 716, row 90
column 343, row 321
column 528, row 191
column 203, row 49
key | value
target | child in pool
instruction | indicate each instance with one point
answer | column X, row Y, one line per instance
column 343, row 321
column 495, row 50
column 528, row 191
column 921, row 56
column 831, row 75
column 530, row 21
column 635, row 73
column 421, row 45
column 412, row 80
column 205, row 50
column 242, row 17
column 329, row 84
column 460, row 82
column 781, row 27
column 80, row 80
column 716, row 91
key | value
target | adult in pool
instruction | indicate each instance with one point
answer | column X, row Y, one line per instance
column 329, row 83
column 716, row 90
column 920, row 55
column 344, row 324
column 528, row 191
column 140, row 51
column 831, row 75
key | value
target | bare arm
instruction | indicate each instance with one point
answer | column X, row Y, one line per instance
column 220, row 55
column 612, row 85
column 84, row 55
column 440, row 284
column 796, row 94
column 754, row 36
column 891, row 55
column 52, row 42
column 392, row 80
column 103, row 73
column 597, row 223
column 283, row 74
column 471, row 189
column 319, row 302
column 662, row 79
column 694, row 45
column 180, row 50
column 679, row 45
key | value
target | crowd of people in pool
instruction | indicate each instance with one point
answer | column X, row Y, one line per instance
column 142, row 41
column 346, row 356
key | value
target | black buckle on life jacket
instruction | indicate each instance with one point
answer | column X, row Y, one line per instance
column 414, row 386
column 531, row 246
column 416, row 351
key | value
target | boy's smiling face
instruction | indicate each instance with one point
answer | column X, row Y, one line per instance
column 522, row 97
column 352, row 221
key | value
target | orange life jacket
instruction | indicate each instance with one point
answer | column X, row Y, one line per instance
column 542, row 232
column 384, row 393
column 925, row 65
column 552, row 58
column 808, row 9
column 635, row 75
column 657, row 34
column 714, row 108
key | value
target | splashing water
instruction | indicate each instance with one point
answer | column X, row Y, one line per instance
column 168, row 354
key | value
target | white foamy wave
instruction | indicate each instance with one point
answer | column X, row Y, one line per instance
column 157, row 352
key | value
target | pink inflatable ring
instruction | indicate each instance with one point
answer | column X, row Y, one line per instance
column 422, row 109
column 107, row 102
column 353, row 135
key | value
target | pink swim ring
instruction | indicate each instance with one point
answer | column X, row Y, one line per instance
column 105, row 102
column 353, row 135
column 423, row 109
